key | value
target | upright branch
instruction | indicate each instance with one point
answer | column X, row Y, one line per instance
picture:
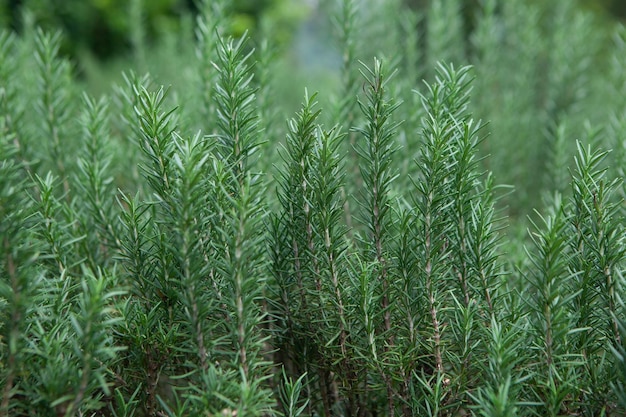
column 11, row 110
column 376, row 157
column 598, row 251
column 295, row 196
column 94, row 180
column 156, row 127
column 240, row 263
column 190, row 224
column 235, row 106
column 598, row 246
column 445, row 103
column 22, row 278
column 552, row 323
column 329, row 233
column 346, row 21
column 375, row 168
column 327, row 215
column 53, row 104
column 211, row 23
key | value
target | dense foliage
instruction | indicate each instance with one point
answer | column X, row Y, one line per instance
column 180, row 252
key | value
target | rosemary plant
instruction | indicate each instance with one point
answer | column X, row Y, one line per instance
column 550, row 317
column 375, row 168
column 169, row 266
column 21, row 283
column 54, row 100
column 597, row 259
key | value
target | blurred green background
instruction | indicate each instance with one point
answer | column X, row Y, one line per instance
column 102, row 37
column 103, row 28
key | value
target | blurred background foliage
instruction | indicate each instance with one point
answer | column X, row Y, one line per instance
column 103, row 27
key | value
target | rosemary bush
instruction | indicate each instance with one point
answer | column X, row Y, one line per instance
column 177, row 252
